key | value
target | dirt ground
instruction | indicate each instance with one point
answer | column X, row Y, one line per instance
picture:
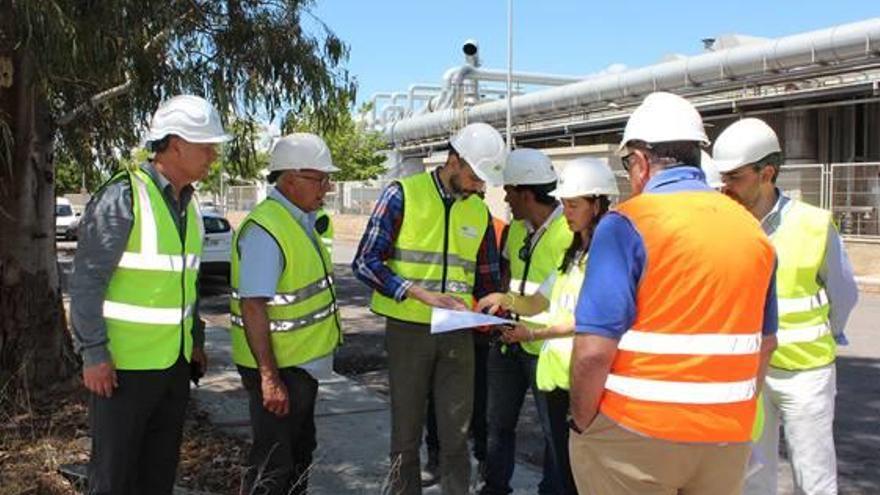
column 40, row 438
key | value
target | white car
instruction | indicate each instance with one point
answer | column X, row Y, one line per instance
column 216, row 246
column 66, row 220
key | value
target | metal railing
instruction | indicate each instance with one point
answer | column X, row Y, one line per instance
column 854, row 199
column 851, row 191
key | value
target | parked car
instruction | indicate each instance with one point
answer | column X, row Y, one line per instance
column 216, row 246
column 66, row 220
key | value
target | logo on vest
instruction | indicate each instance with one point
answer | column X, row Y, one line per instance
column 469, row 231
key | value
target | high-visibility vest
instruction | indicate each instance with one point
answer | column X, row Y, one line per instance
column 303, row 315
column 150, row 300
column 436, row 247
column 324, row 228
column 547, row 252
column 554, row 361
column 686, row 370
column 804, row 338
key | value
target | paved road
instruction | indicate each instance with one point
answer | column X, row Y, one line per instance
column 857, row 429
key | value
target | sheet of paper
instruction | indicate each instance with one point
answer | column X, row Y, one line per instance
column 447, row 320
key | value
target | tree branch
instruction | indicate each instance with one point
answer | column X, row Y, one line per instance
column 119, row 90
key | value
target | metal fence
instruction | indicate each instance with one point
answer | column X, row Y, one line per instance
column 854, row 199
column 851, row 191
column 354, row 197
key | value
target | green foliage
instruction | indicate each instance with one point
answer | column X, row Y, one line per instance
column 355, row 151
column 104, row 66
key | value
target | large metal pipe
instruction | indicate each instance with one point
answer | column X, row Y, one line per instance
column 833, row 45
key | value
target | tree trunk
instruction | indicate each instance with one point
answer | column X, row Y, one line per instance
column 35, row 345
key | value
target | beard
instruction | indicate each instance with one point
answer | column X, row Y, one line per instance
column 458, row 192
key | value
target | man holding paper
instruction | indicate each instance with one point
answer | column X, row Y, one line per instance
column 430, row 243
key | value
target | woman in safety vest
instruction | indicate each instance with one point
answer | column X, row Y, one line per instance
column 586, row 188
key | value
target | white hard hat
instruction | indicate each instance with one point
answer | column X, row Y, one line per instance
column 483, row 149
column 744, row 142
column 663, row 117
column 586, row 177
column 190, row 117
column 301, row 150
column 713, row 176
column 527, row 166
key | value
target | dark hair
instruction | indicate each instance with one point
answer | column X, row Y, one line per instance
column 273, row 176
column 574, row 249
column 541, row 192
column 159, row 145
column 670, row 152
column 772, row 160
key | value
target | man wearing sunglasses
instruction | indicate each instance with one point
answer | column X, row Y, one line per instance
column 430, row 243
column 675, row 323
column 535, row 243
column 285, row 323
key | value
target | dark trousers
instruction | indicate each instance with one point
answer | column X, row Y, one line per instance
column 281, row 454
column 511, row 372
column 478, row 417
column 557, row 441
column 420, row 364
column 136, row 433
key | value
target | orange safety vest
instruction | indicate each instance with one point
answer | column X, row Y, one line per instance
column 686, row 371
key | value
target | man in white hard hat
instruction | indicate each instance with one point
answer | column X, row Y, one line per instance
column 430, row 243
column 816, row 291
column 284, row 318
column 669, row 350
column 535, row 243
column 134, row 302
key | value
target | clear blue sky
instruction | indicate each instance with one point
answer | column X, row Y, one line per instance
column 398, row 43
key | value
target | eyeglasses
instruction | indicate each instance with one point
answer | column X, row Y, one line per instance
column 322, row 181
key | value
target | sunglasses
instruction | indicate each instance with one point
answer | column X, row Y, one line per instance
column 525, row 252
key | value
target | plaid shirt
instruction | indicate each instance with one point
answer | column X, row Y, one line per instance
column 377, row 245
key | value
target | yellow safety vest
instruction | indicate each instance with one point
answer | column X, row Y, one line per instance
column 303, row 315
column 554, row 361
column 151, row 297
column 547, row 252
column 436, row 247
column 805, row 339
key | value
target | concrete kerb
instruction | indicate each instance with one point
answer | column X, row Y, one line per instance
column 868, row 283
column 352, row 423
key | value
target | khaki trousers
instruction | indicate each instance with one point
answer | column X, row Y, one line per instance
column 607, row 459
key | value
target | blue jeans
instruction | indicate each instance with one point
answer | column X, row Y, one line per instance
column 511, row 373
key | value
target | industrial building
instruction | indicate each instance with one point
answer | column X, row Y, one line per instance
column 820, row 91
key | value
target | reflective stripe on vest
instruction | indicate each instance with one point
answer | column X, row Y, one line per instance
column 436, row 247
column 688, row 370
column 289, row 325
column 546, row 252
column 303, row 316
column 804, row 336
column 150, row 299
column 554, row 360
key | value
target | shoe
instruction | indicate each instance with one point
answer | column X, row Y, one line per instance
column 431, row 471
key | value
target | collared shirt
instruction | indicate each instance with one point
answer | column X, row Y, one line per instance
column 262, row 263
column 533, row 241
column 102, row 238
column 607, row 302
column 835, row 274
column 377, row 245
